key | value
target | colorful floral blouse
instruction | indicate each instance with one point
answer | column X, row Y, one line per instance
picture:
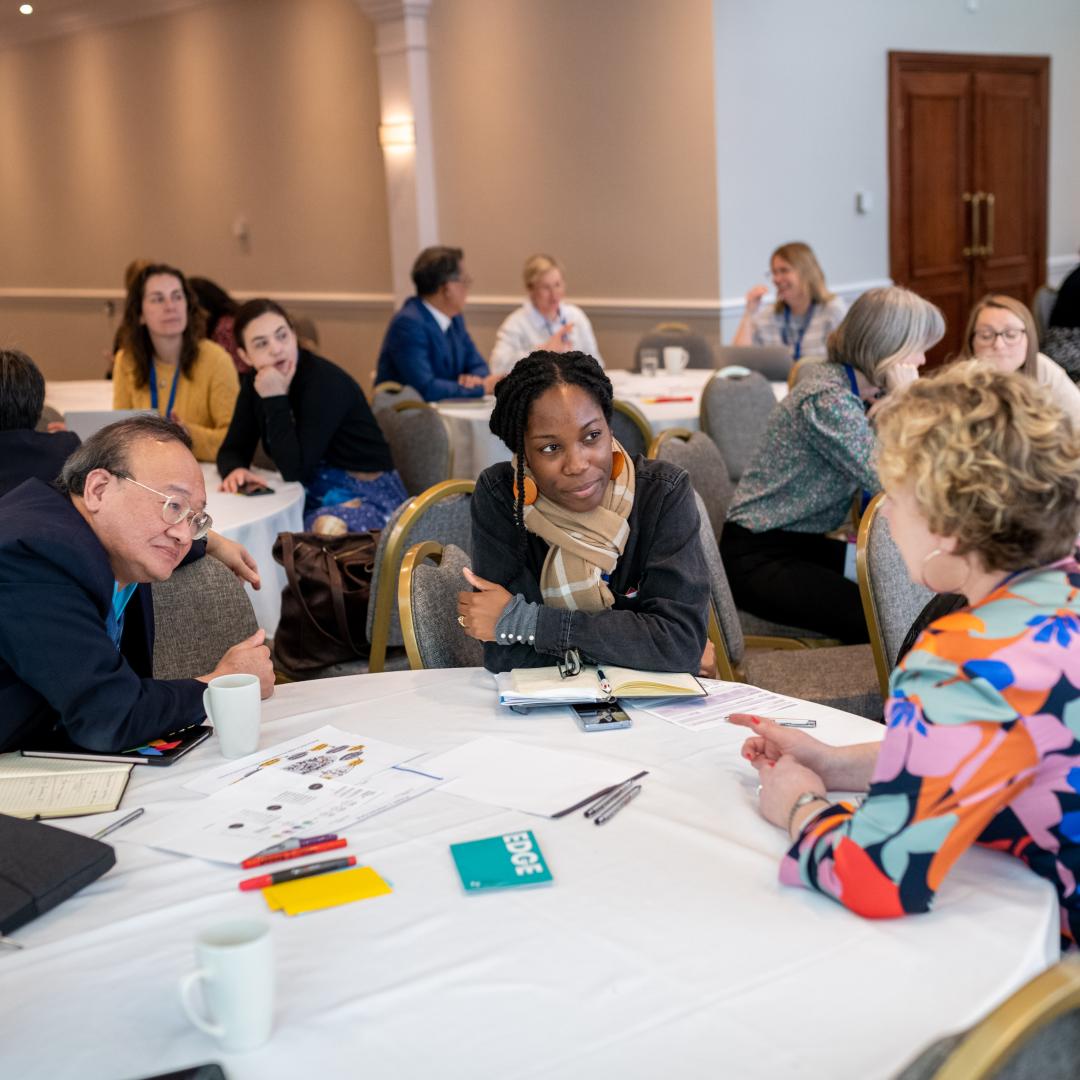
column 982, row 746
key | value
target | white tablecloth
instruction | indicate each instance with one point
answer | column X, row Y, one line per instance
column 475, row 448
column 255, row 521
column 79, row 395
column 664, row 947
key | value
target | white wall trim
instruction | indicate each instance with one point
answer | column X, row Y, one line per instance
column 326, row 300
column 1058, row 267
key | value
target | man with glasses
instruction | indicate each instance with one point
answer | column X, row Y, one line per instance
column 76, row 631
column 426, row 344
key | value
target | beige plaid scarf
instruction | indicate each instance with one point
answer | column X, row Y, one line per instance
column 582, row 546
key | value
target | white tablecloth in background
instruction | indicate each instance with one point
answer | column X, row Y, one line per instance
column 255, row 521
column 79, row 395
column 665, row 947
column 475, row 448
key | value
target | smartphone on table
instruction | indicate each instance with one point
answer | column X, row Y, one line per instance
column 255, row 487
column 601, row 716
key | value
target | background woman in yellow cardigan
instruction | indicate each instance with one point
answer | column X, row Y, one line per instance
column 165, row 364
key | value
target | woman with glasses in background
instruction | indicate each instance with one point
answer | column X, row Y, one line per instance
column 805, row 312
column 1002, row 331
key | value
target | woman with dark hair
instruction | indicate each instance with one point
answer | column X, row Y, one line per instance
column 25, row 452
column 576, row 545
column 220, row 310
column 314, row 422
column 166, row 365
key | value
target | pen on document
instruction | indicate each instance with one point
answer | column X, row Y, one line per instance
column 292, row 853
column 116, row 824
column 603, row 793
column 311, row 870
column 608, row 814
column 605, row 686
column 612, row 796
column 295, row 842
column 797, row 723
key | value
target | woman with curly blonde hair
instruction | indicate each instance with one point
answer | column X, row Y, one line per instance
column 982, row 482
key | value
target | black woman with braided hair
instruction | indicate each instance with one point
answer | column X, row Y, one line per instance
column 576, row 545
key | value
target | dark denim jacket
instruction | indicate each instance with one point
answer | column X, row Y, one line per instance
column 661, row 584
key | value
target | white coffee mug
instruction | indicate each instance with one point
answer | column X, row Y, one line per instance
column 236, row 969
column 675, row 358
column 234, row 705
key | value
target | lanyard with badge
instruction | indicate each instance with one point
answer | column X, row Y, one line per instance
column 849, row 561
column 153, row 389
column 785, row 332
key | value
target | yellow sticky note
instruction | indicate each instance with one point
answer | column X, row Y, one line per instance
column 325, row 890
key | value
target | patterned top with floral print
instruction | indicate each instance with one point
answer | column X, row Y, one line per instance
column 982, row 746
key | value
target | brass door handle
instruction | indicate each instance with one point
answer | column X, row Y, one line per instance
column 973, row 200
column 988, row 248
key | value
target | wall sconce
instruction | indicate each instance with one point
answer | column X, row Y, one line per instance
column 397, row 134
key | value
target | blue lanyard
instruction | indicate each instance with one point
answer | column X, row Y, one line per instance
column 153, row 389
column 785, row 333
column 560, row 320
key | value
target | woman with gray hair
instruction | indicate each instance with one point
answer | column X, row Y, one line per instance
column 816, row 456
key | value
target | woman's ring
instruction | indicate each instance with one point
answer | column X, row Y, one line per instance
column 759, row 791
column 461, row 621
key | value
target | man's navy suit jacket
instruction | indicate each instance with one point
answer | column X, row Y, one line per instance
column 417, row 353
column 58, row 666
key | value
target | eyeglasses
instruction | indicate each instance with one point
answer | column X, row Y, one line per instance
column 174, row 510
column 1012, row 334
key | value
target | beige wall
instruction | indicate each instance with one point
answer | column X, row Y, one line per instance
column 151, row 138
column 585, row 130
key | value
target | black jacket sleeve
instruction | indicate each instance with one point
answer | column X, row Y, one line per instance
column 238, row 448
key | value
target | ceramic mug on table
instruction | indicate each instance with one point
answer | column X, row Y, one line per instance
column 650, row 361
column 236, row 969
column 675, row 359
column 234, row 705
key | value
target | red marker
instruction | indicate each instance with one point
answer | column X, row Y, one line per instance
column 295, row 853
column 665, row 400
column 296, row 872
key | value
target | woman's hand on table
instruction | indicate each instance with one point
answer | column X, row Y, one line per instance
column 753, row 298
column 236, row 479
column 781, row 783
column 478, row 612
column 235, row 556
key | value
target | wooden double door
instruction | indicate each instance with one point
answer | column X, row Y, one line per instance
column 967, row 179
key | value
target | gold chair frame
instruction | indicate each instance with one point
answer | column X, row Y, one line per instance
column 638, row 417
column 385, row 598
column 995, row 1038
column 668, row 433
column 866, row 593
column 388, row 387
column 415, row 556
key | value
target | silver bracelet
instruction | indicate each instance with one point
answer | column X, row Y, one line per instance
column 805, row 799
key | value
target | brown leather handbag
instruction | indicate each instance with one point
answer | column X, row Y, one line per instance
column 324, row 605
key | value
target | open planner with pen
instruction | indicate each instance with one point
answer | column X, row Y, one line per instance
column 49, row 789
column 525, row 687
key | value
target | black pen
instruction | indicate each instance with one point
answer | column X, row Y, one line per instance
column 310, row 870
column 611, row 811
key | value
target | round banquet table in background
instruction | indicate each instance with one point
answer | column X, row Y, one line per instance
column 79, row 395
column 664, row 946
column 255, row 521
column 475, row 448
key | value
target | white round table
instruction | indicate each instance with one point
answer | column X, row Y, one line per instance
column 79, row 395
column 475, row 448
column 665, row 945
column 255, row 521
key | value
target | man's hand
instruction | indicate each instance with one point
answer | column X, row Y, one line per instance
column 235, row 556
column 248, row 657
column 489, row 382
column 481, row 610
column 470, row 382
column 707, row 668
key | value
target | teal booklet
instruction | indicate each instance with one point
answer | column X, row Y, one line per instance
column 500, row 862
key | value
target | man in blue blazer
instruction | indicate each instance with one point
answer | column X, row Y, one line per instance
column 426, row 343
column 75, row 655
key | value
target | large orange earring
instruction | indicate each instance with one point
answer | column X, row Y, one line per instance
column 616, row 465
column 531, row 492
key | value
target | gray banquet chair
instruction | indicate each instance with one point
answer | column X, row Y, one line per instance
column 772, row 361
column 443, row 514
column 700, row 457
column 200, row 613
column 674, row 333
column 387, row 394
column 734, row 414
column 630, row 426
column 1041, row 308
column 841, row 676
column 428, row 587
column 420, row 444
column 1033, row 1035
column 891, row 600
